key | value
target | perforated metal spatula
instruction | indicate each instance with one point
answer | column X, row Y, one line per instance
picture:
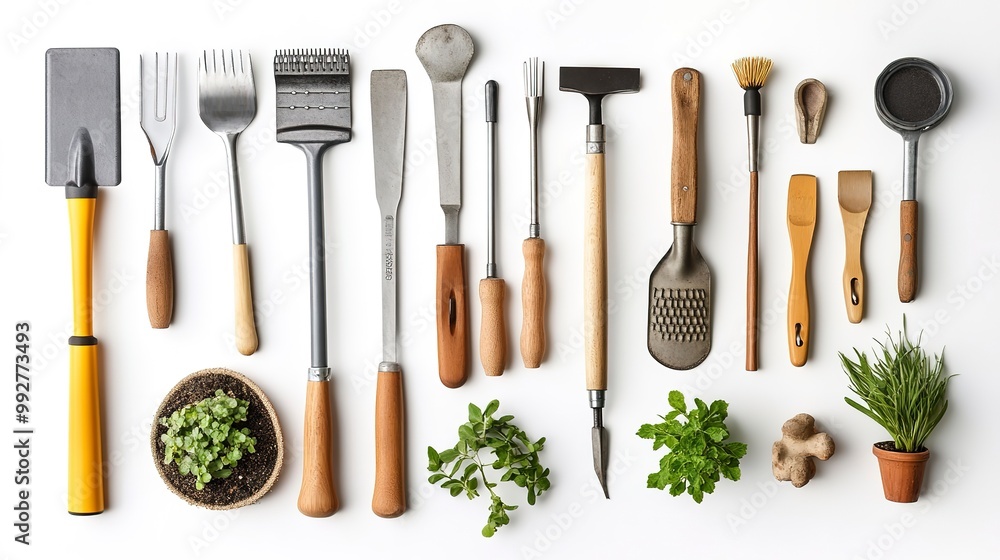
column 679, row 334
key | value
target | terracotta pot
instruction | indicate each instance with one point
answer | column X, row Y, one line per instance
column 902, row 473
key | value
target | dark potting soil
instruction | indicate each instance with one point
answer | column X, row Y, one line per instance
column 891, row 447
column 912, row 94
column 252, row 471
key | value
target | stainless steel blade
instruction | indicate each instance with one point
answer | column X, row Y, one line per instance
column 388, row 89
column 445, row 52
column 448, row 130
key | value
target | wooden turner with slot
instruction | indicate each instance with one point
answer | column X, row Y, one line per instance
column 801, row 224
column 854, row 193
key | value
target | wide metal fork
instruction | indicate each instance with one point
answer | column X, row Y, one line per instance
column 227, row 102
column 158, row 98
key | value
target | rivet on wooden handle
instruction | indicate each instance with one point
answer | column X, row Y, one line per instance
column 907, row 250
column 159, row 280
column 686, row 92
column 751, row 361
column 493, row 330
column 317, row 496
column 389, row 499
column 595, row 272
column 533, row 303
column 246, row 330
column 452, row 316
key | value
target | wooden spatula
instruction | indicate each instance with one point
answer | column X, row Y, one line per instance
column 801, row 224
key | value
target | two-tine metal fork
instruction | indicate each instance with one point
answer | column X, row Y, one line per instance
column 227, row 102
column 158, row 98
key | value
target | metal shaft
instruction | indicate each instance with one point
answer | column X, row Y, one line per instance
column 753, row 140
column 388, row 289
column 533, row 104
column 491, row 177
column 160, row 194
column 235, row 194
column 317, row 254
column 910, row 142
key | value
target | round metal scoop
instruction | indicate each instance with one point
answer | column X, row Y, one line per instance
column 445, row 51
column 912, row 95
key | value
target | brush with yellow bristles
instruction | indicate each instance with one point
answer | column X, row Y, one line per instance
column 751, row 73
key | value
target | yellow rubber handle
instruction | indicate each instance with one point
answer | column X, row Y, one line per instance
column 86, row 473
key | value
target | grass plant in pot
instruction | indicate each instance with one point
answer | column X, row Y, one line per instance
column 903, row 389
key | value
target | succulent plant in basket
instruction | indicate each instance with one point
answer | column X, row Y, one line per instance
column 903, row 389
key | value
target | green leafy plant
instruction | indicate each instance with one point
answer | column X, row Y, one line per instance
column 699, row 453
column 459, row 468
column 202, row 441
column 902, row 388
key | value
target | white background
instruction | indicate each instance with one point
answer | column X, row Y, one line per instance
column 840, row 514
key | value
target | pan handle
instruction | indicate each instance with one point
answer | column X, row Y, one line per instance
column 907, row 250
column 686, row 96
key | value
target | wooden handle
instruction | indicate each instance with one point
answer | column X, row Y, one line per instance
column 686, row 94
column 798, row 310
column 533, row 303
column 907, row 250
column 493, row 330
column 751, row 362
column 854, row 278
column 86, row 472
column 159, row 280
column 389, row 499
column 595, row 276
column 317, row 496
column 246, row 331
column 452, row 316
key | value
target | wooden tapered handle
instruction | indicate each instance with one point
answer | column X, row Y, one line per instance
column 854, row 278
column 686, row 95
column 452, row 316
column 246, row 330
column 907, row 250
column 751, row 362
column 493, row 330
column 533, row 303
column 798, row 310
column 159, row 280
column 389, row 499
column 317, row 496
column 595, row 274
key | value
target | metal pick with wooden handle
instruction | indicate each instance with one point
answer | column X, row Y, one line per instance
column 533, row 284
column 493, row 330
column 854, row 193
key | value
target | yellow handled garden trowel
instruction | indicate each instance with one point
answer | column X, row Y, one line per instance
column 82, row 151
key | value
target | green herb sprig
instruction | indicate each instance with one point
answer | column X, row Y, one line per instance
column 903, row 388
column 459, row 468
column 699, row 453
column 201, row 441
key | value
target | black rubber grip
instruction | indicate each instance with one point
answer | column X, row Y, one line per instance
column 83, row 341
column 491, row 101
column 751, row 102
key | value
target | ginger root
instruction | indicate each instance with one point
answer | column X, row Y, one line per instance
column 791, row 457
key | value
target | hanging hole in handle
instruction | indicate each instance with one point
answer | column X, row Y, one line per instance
column 452, row 311
column 855, row 298
column 798, row 335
